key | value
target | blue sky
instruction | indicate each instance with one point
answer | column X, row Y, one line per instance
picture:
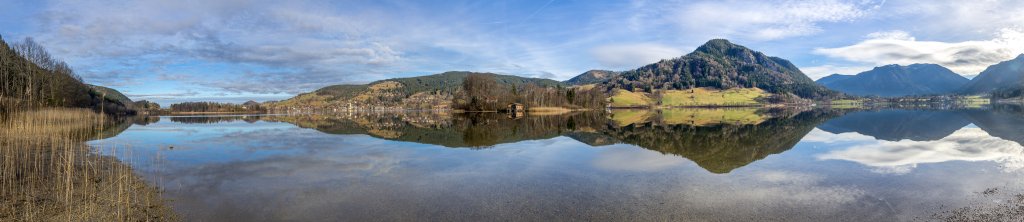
column 236, row 50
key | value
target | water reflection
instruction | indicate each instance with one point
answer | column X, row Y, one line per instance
column 896, row 141
column 626, row 165
column 719, row 140
column 895, row 125
column 967, row 144
column 214, row 119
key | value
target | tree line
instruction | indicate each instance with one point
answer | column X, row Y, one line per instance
column 481, row 92
column 216, row 107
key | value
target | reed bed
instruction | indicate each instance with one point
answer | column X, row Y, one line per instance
column 48, row 173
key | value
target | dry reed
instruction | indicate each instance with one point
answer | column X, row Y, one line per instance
column 48, row 173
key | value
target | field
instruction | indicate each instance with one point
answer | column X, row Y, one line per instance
column 625, row 98
column 712, row 97
column 690, row 98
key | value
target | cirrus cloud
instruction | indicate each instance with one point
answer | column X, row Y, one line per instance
column 628, row 56
column 769, row 20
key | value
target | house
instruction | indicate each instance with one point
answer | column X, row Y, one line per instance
column 515, row 107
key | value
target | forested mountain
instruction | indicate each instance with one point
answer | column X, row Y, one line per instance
column 722, row 64
column 591, row 77
column 832, row 78
column 32, row 78
column 897, row 80
column 1005, row 76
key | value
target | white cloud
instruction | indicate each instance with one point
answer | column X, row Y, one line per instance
column 967, row 144
column 821, row 136
column 626, row 158
column 629, row 56
column 767, row 20
column 898, row 47
column 893, row 35
column 285, row 47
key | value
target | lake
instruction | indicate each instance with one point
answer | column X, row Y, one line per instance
column 621, row 165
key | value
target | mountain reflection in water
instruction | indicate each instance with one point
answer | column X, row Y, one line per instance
column 718, row 143
column 622, row 165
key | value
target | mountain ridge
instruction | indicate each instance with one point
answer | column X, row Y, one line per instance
column 1004, row 75
column 897, row 80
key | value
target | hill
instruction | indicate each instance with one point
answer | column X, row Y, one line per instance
column 1002, row 76
column 111, row 95
column 723, row 65
column 421, row 92
column 591, row 77
column 897, row 80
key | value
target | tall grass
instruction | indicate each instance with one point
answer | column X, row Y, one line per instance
column 48, row 173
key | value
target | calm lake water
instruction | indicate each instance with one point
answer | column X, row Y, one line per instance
column 627, row 165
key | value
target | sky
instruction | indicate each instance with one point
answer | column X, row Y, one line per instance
column 236, row 50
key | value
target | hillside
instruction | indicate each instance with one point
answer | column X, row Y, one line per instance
column 721, row 64
column 111, row 95
column 421, row 92
column 1002, row 76
column 897, row 80
column 32, row 78
column 591, row 77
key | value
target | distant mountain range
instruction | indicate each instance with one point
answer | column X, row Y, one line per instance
column 897, row 80
column 721, row 64
column 1001, row 76
column 832, row 78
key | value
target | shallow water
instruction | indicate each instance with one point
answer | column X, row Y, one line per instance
column 627, row 165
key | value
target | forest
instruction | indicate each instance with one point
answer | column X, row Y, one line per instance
column 483, row 93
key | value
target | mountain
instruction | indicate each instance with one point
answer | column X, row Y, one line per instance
column 591, row 77
column 1005, row 75
column 422, row 92
column 897, row 80
column 723, row 65
column 832, row 78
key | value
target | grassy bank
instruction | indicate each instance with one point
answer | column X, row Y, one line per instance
column 49, row 174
